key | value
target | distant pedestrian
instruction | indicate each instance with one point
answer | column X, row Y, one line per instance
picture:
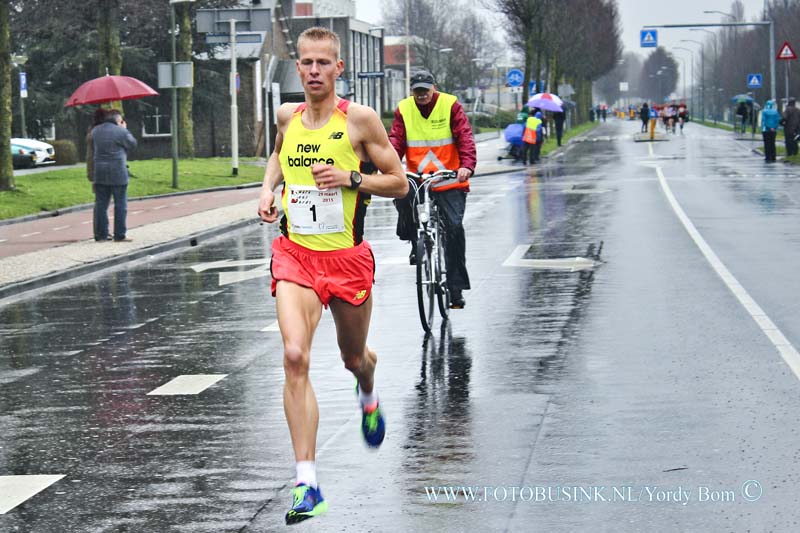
column 111, row 142
column 791, row 126
column 533, row 137
column 558, row 119
column 742, row 112
column 644, row 116
column 770, row 119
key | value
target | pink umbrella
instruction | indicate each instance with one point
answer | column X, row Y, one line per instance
column 109, row 89
column 546, row 101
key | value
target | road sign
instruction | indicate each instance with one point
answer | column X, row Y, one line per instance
column 514, row 77
column 371, row 74
column 754, row 81
column 23, row 85
column 786, row 52
column 225, row 38
column 648, row 38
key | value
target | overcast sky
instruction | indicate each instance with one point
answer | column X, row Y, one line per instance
column 635, row 14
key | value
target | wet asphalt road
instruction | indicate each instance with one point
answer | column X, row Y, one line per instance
column 568, row 400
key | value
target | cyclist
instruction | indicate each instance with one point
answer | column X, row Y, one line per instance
column 321, row 258
column 433, row 132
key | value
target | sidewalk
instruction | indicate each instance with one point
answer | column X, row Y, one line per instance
column 42, row 251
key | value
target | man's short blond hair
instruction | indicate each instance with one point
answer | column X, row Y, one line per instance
column 318, row 33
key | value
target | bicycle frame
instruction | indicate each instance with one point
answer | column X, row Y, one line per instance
column 431, row 270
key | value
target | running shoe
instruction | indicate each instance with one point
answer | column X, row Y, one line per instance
column 308, row 503
column 373, row 425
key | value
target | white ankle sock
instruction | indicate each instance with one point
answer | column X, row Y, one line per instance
column 367, row 399
column 306, row 473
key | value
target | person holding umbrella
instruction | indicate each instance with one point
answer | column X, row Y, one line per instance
column 111, row 142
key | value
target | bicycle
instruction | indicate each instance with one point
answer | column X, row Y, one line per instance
column 429, row 248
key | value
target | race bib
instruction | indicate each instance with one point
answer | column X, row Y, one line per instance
column 315, row 212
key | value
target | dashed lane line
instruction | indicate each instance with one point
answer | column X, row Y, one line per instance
column 187, row 384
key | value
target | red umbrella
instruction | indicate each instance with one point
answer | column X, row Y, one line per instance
column 109, row 89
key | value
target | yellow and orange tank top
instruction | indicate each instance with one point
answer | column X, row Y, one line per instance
column 301, row 149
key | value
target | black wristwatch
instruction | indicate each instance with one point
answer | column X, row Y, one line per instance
column 355, row 180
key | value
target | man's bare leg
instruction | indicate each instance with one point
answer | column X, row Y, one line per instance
column 352, row 327
column 299, row 311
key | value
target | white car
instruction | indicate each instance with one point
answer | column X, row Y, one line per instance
column 45, row 155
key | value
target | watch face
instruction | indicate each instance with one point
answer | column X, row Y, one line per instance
column 355, row 180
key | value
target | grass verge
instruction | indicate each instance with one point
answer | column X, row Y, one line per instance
column 57, row 189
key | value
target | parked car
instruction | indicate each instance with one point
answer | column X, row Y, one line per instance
column 23, row 157
column 45, row 155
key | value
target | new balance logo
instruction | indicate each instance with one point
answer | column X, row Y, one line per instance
column 336, row 135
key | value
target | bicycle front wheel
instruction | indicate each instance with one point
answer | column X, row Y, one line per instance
column 440, row 273
column 426, row 288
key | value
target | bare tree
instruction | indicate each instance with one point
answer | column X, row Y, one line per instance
column 6, row 165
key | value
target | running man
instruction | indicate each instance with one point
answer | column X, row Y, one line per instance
column 321, row 258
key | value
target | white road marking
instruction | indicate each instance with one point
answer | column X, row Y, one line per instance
column 195, row 199
column 187, row 384
column 135, row 212
column 30, row 234
column 767, row 326
column 572, row 264
column 272, row 327
column 226, row 278
column 156, row 208
column 227, row 263
column 60, row 228
column 15, row 490
column 86, row 222
column 3, row 240
column 179, row 203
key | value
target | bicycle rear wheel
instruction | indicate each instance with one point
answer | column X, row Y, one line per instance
column 440, row 273
column 426, row 288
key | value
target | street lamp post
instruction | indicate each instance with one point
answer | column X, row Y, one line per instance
column 694, row 81
column 702, row 77
column 174, row 113
column 443, row 77
column 715, row 69
column 19, row 61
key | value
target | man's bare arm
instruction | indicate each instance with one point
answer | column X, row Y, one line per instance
column 273, row 176
column 371, row 135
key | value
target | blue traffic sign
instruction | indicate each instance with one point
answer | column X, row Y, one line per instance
column 754, row 81
column 648, row 38
column 23, row 85
column 514, row 77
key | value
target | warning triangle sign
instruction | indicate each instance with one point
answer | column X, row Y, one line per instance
column 786, row 51
column 755, row 80
column 648, row 38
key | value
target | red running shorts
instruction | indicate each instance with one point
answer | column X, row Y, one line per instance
column 347, row 274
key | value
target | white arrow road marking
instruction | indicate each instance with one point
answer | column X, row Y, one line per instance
column 15, row 490
column 571, row 264
column 187, row 384
column 226, row 278
column 272, row 327
column 228, row 263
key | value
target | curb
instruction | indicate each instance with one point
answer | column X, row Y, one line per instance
column 70, row 274
column 81, row 207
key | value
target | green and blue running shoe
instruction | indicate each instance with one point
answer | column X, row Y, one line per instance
column 373, row 424
column 308, row 503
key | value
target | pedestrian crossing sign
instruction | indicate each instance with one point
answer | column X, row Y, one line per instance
column 786, row 51
column 754, row 81
column 648, row 38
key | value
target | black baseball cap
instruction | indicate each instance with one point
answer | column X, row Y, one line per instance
column 422, row 80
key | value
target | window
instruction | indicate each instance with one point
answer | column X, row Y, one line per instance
column 156, row 125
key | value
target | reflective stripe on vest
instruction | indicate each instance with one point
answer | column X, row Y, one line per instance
column 429, row 142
